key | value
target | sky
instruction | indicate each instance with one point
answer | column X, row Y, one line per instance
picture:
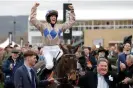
column 23, row 7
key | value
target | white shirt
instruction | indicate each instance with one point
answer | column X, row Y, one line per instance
column 101, row 82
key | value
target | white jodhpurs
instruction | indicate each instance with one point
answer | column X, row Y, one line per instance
column 50, row 53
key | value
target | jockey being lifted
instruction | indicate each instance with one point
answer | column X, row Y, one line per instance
column 51, row 33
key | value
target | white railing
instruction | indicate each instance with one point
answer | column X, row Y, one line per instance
column 80, row 27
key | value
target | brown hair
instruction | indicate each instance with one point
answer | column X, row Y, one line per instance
column 29, row 53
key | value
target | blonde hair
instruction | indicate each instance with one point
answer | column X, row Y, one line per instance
column 130, row 57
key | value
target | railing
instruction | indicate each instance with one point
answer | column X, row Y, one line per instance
column 89, row 27
column 102, row 27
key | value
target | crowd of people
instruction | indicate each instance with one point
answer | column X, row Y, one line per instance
column 96, row 67
column 113, row 63
column 110, row 67
column 102, row 68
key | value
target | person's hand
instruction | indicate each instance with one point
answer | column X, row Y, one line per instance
column 125, row 81
column 51, row 80
column 36, row 4
column 89, row 65
column 122, row 66
column 71, row 7
column 11, row 66
column 72, row 76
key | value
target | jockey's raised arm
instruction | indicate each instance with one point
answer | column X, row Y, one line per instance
column 39, row 25
column 71, row 20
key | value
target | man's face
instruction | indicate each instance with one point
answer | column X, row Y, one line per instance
column 102, row 68
column 86, row 51
column 53, row 19
column 15, row 55
column 32, row 60
column 128, row 62
column 127, row 47
column 101, row 54
column 112, row 48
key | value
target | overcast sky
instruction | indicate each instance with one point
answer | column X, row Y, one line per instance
column 22, row 7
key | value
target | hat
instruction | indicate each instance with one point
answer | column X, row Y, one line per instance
column 127, row 39
column 101, row 49
column 50, row 13
column 15, row 51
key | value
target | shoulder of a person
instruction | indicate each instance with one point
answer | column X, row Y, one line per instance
column 92, row 57
column 121, row 54
column 82, row 57
column 112, row 74
column 8, row 60
column 90, row 73
column 59, row 26
column 19, row 70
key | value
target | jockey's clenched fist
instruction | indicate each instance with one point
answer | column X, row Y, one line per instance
column 36, row 4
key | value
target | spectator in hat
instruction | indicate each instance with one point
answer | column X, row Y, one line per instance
column 102, row 53
column 9, row 68
column 7, row 52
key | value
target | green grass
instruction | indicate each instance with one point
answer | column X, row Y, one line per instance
column 1, row 85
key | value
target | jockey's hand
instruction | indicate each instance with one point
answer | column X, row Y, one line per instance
column 71, row 7
column 36, row 4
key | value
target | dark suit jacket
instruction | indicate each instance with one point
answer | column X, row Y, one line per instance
column 83, row 63
column 123, row 74
column 121, row 58
column 22, row 79
column 90, row 80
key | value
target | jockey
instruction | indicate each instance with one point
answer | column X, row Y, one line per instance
column 51, row 33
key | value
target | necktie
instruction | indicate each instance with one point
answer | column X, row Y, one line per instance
column 88, row 60
column 33, row 78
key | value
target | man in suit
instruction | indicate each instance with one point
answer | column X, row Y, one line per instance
column 99, row 79
column 87, row 61
column 126, row 74
column 25, row 76
column 126, row 51
column 102, row 53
